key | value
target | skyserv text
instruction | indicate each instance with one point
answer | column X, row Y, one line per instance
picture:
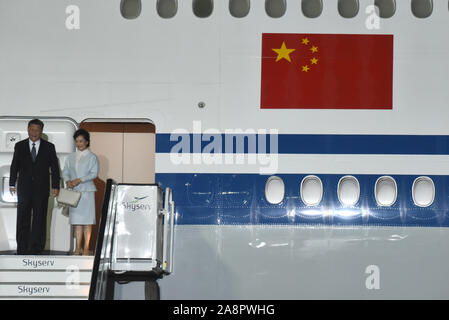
column 131, row 206
column 32, row 290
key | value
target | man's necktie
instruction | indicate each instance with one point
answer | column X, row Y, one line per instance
column 33, row 152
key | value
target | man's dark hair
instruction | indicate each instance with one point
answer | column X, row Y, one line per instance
column 84, row 133
column 36, row 121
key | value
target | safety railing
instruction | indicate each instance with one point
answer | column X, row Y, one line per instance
column 136, row 237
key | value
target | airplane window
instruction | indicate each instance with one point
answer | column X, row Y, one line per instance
column 312, row 8
column 274, row 190
column 422, row 8
column 423, row 191
column 348, row 190
column 311, row 190
column 167, row 8
column 203, row 8
column 387, row 8
column 130, row 9
column 348, row 8
column 275, row 8
column 385, row 191
column 239, row 8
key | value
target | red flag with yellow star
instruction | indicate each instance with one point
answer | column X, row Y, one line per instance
column 327, row 71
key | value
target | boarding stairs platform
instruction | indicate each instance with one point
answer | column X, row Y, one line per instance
column 45, row 277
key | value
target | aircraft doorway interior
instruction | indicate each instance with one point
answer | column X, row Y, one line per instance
column 125, row 151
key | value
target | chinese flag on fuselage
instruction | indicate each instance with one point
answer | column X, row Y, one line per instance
column 327, row 71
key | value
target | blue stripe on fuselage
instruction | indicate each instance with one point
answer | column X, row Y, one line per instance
column 323, row 144
column 227, row 199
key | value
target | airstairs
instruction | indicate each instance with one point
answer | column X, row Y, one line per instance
column 45, row 277
column 135, row 243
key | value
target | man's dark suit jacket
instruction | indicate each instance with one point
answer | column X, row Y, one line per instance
column 34, row 178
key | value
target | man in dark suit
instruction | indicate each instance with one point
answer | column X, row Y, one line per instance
column 31, row 162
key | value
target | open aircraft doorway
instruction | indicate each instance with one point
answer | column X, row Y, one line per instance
column 126, row 152
column 125, row 149
column 57, row 130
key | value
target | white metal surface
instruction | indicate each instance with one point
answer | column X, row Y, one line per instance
column 138, row 228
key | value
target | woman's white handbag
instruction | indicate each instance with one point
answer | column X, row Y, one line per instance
column 59, row 208
column 69, row 197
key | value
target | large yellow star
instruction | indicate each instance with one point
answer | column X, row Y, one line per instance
column 283, row 53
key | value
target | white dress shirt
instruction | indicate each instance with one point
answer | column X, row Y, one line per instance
column 36, row 145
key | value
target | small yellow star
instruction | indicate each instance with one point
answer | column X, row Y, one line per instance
column 314, row 60
column 283, row 53
column 314, row 49
column 305, row 68
column 305, row 41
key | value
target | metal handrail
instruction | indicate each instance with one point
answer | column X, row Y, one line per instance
column 100, row 240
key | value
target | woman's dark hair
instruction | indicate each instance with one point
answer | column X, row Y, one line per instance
column 36, row 121
column 84, row 133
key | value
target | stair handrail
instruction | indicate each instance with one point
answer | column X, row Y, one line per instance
column 107, row 205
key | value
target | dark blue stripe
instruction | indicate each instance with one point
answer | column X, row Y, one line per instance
column 226, row 199
column 331, row 144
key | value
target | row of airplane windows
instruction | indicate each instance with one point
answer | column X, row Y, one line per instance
column 131, row 9
column 348, row 191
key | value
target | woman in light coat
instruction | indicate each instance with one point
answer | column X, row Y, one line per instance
column 80, row 169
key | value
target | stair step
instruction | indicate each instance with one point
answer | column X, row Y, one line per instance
column 43, row 298
column 48, row 290
column 45, row 276
column 10, row 262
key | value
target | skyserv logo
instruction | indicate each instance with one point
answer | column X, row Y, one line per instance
column 136, row 205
